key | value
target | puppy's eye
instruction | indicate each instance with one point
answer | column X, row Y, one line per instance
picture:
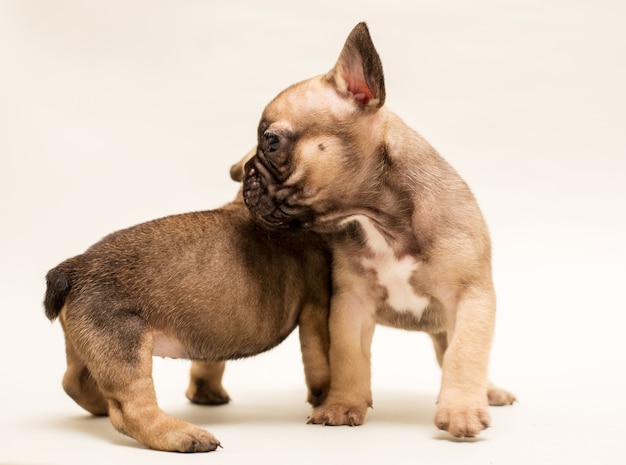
column 273, row 142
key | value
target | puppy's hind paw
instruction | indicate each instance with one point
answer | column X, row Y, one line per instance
column 200, row 393
column 173, row 435
column 189, row 440
column 499, row 397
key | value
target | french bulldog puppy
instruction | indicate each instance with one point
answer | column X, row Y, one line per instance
column 410, row 246
column 207, row 286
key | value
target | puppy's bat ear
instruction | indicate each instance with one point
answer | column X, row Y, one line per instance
column 236, row 171
column 358, row 73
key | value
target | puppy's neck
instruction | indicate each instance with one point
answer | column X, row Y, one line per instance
column 373, row 128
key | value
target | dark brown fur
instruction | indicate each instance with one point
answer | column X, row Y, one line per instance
column 209, row 286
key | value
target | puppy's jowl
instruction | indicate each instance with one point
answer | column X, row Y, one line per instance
column 207, row 286
column 410, row 247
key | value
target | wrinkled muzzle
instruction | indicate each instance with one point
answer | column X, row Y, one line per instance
column 274, row 204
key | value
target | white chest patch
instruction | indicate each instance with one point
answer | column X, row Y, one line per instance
column 392, row 273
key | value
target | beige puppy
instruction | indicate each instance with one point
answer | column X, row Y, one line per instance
column 208, row 286
column 410, row 247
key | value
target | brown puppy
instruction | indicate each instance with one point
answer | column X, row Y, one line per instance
column 208, row 286
column 410, row 247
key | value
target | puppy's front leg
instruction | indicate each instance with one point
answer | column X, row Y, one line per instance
column 314, row 342
column 495, row 395
column 352, row 322
column 205, row 383
column 462, row 406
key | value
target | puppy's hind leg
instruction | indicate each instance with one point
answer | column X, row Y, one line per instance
column 134, row 411
column 117, row 348
column 498, row 396
column 205, row 383
column 80, row 385
column 440, row 343
column 78, row 382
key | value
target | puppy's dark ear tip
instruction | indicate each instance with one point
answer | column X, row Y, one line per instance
column 360, row 32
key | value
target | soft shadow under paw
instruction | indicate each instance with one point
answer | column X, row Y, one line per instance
column 96, row 426
column 403, row 407
column 443, row 436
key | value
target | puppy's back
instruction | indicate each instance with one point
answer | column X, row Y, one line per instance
column 216, row 278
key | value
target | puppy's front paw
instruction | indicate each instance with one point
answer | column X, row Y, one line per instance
column 462, row 420
column 335, row 414
column 201, row 393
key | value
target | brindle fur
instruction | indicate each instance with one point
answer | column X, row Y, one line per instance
column 209, row 286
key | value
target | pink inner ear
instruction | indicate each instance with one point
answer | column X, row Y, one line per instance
column 360, row 91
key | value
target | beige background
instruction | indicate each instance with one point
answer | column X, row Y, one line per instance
column 112, row 113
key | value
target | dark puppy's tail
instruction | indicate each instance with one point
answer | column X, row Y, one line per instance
column 58, row 286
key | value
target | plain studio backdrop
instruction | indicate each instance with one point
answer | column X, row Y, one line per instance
column 117, row 112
